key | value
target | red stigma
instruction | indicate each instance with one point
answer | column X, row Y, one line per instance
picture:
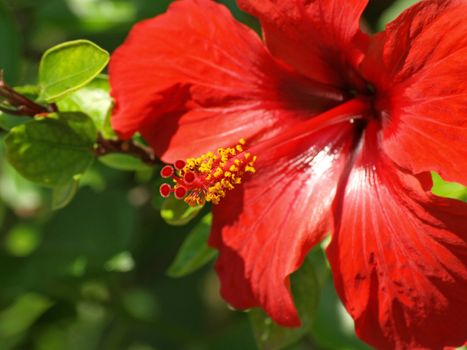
column 180, row 192
column 179, row 164
column 209, row 177
column 167, row 171
column 165, row 190
column 189, row 177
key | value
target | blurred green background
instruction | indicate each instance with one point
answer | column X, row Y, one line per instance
column 93, row 275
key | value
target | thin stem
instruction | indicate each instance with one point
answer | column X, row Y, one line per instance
column 130, row 147
column 21, row 105
column 12, row 102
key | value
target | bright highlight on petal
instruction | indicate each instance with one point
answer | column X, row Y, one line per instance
column 209, row 177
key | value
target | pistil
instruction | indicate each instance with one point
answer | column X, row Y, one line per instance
column 209, row 177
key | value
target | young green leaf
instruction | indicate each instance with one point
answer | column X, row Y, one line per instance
column 177, row 213
column 194, row 252
column 94, row 100
column 123, row 162
column 306, row 287
column 52, row 151
column 69, row 66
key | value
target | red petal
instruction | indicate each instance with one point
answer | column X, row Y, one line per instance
column 321, row 38
column 264, row 229
column 420, row 68
column 194, row 79
column 399, row 257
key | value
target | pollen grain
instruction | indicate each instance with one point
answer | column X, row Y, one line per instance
column 210, row 176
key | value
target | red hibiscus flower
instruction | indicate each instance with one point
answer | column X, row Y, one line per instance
column 345, row 127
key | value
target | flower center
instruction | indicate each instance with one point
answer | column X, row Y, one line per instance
column 209, row 177
column 359, row 87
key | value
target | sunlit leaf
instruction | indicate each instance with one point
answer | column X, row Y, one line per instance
column 194, row 252
column 69, row 66
column 448, row 189
column 94, row 100
column 52, row 151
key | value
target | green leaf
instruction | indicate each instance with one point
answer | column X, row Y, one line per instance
column 194, row 252
column 63, row 194
column 52, row 151
column 124, row 162
column 21, row 315
column 448, row 189
column 392, row 12
column 8, row 121
column 94, row 100
column 177, row 212
column 306, row 287
column 69, row 66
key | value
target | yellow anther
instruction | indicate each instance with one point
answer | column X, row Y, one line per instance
column 250, row 169
column 216, row 173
